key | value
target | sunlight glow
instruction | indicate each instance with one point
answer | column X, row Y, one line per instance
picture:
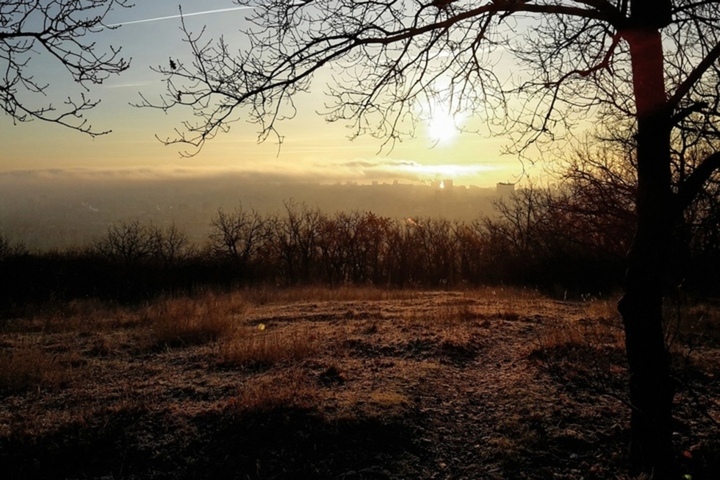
column 455, row 171
column 442, row 127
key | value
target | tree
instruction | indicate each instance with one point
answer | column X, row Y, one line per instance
column 9, row 249
column 58, row 30
column 128, row 242
column 598, row 190
column 241, row 235
column 169, row 245
column 648, row 65
column 297, row 241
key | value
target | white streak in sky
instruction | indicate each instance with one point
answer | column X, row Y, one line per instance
column 128, row 85
column 170, row 17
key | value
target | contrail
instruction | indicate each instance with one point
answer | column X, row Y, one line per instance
column 170, row 17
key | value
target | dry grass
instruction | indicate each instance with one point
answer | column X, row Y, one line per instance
column 192, row 321
column 90, row 315
column 255, row 347
column 30, row 367
column 271, row 295
column 603, row 310
column 535, row 380
column 585, row 353
column 290, row 389
column 694, row 325
column 600, row 327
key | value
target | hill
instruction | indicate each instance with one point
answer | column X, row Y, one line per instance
column 338, row 383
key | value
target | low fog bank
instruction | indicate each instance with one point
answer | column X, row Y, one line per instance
column 61, row 209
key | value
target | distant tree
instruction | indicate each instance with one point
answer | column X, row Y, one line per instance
column 355, row 246
column 60, row 32
column 241, row 235
column 10, row 249
column 649, row 65
column 437, row 253
column 169, row 245
column 371, row 234
column 133, row 241
column 128, row 242
column 402, row 258
column 472, row 257
column 297, row 241
column 333, row 248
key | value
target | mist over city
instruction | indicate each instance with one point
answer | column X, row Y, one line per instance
column 70, row 209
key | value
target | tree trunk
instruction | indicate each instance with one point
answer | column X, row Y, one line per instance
column 651, row 392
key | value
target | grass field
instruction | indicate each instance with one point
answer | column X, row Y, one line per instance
column 351, row 383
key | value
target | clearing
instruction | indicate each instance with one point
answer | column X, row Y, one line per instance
column 347, row 383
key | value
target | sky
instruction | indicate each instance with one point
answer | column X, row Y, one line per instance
column 313, row 150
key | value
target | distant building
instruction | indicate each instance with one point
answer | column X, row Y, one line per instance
column 445, row 184
column 503, row 189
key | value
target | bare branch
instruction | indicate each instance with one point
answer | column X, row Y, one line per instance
column 694, row 76
column 59, row 30
column 388, row 58
column 692, row 186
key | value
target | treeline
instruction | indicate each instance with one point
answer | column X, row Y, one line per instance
column 560, row 241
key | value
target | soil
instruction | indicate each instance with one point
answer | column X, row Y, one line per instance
column 429, row 385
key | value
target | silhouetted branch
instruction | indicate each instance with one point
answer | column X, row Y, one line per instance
column 391, row 61
column 58, row 30
column 694, row 184
column 694, row 76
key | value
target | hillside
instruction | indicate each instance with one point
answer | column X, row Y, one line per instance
column 344, row 383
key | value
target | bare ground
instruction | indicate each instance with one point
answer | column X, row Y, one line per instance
column 428, row 385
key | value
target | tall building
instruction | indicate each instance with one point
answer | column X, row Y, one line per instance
column 503, row 189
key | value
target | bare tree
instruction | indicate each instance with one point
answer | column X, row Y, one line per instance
column 650, row 65
column 240, row 235
column 596, row 195
column 128, row 242
column 58, row 31
column 297, row 241
column 10, row 249
column 169, row 244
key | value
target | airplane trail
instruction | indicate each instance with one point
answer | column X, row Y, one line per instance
column 170, row 17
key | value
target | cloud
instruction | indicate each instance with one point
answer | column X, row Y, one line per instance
column 170, row 17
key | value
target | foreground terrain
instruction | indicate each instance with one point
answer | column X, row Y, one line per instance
column 345, row 383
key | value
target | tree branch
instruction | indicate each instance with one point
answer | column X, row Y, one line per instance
column 61, row 32
column 694, row 183
column 694, row 76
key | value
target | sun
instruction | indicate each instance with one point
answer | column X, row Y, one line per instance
column 443, row 127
